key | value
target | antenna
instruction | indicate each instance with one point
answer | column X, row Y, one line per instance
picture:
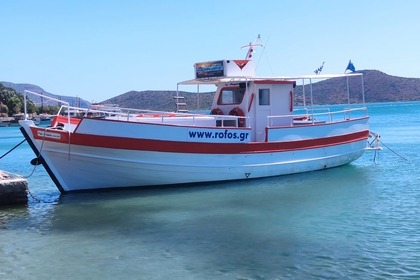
column 251, row 45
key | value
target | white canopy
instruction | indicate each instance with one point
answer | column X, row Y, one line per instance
column 207, row 81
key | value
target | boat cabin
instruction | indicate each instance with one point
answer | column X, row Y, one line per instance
column 258, row 102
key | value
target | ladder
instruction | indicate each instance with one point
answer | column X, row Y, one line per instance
column 181, row 106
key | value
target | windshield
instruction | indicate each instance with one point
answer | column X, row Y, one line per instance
column 231, row 96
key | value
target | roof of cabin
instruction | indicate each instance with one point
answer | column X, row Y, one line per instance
column 266, row 79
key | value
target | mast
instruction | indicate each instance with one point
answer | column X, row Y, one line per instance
column 251, row 45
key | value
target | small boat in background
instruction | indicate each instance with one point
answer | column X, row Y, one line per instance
column 11, row 121
column 5, row 121
column 42, row 119
column 253, row 131
column 45, row 118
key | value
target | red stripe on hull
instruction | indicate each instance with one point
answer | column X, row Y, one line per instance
column 64, row 119
column 197, row 147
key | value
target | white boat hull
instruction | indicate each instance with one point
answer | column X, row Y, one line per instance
column 252, row 131
column 136, row 162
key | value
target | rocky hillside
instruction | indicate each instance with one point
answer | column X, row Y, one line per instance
column 20, row 88
column 160, row 100
column 379, row 87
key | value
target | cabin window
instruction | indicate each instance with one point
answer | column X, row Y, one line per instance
column 231, row 96
column 264, row 96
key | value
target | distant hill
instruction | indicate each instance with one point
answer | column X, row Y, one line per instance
column 20, row 88
column 378, row 86
column 160, row 100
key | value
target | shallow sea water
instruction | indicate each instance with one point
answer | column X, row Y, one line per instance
column 359, row 221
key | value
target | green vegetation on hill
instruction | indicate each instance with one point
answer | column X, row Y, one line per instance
column 378, row 86
column 44, row 102
column 12, row 103
column 161, row 100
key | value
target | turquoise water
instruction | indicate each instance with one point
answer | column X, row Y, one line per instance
column 360, row 221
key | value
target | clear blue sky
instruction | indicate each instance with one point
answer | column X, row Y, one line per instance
column 98, row 49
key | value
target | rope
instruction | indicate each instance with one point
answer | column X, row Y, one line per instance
column 38, row 156
column 395, row 153
column 377, row 140
column 32, row 195
column 33, row 170
column 12, row 149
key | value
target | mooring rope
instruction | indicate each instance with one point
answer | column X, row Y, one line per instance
column 12, row 149
column 35, row 166
column 395, row 153
column 38, row 156
column 375, row 144
column 33, row 170
column 32, row 195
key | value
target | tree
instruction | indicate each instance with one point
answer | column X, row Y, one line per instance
column 4, row 110
column 30, row 105
column 14, row 104
column 50, row 109
column 5, row 93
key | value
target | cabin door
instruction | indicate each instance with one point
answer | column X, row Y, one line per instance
column 262, row 111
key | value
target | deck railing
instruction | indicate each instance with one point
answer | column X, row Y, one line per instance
column 310, row 116
column 303, row 116
column 153, row 116
column 65, row 104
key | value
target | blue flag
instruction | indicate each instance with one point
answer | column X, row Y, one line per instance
column 350, row 67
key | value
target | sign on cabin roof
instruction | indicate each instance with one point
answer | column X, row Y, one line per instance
column 224, row 68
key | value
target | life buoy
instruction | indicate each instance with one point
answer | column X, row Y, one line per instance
column 216, row 111
column 239, row 113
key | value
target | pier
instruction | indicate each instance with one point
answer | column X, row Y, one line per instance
column 13, row 189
